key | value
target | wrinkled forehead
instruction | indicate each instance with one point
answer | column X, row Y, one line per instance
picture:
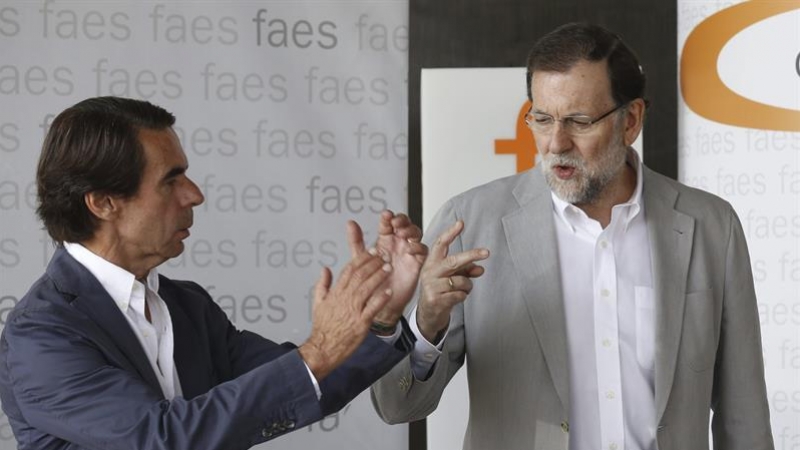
column 585, row 84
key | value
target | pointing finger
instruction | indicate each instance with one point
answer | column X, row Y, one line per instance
column 442, row 244
column 457, row 263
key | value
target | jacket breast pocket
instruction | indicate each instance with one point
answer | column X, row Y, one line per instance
column 699, row 342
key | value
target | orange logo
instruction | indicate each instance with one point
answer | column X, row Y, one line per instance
column 523, row 145
column 701, row 85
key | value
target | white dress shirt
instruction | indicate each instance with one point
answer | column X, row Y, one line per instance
column 130, row 295
column 607, row 286
column 156, row 337
column 609, row 306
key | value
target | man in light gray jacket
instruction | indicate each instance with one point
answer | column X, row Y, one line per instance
column 617, row 308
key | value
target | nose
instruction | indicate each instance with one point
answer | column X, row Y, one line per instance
column 560, row 139
column 193, row 195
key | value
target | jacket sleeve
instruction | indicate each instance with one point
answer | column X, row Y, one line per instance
column 60, row 381
column 739, row 397
column 246, row 350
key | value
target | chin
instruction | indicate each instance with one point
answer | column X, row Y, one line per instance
column 176, row 250
column 572, row 197
column 569, row 191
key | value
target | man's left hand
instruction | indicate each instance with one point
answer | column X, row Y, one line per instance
column 398, row 243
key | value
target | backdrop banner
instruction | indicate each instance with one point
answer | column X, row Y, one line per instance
column 740, row 139
column 293, row 115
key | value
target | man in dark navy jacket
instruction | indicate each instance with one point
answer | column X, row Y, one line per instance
column 105, row 353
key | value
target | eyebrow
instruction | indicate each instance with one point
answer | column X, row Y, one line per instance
column 174, row 172
column 576, row 114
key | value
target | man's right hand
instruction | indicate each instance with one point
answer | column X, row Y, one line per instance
column 445, row 281
column 343, row 314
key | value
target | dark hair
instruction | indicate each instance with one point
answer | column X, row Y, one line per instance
column 92, row 146
column 562, row 48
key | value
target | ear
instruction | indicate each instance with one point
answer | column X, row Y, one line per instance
column 101, row 205
column 634, row 120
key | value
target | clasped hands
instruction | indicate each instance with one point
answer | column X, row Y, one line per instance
column 377, row 284
column 374, row 287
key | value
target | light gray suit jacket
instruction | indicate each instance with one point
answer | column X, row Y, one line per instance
column 512, row 326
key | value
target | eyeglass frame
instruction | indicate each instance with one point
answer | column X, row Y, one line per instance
column 589, row 124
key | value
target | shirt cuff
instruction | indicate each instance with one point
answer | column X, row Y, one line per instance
column 313, row 381
column 425, row 354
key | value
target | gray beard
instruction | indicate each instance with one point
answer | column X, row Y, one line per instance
column 587, row 184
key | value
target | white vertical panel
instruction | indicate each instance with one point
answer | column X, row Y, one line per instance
column 754, row 166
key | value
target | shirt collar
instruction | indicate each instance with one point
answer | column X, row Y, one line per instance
column 571, row 214
column 118, row 282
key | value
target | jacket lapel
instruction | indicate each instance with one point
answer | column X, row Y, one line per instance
column 671, row 234
column 92, row 299
column 531, row 238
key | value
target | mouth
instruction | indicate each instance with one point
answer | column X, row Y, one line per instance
column 184, row 232
column 563, row 172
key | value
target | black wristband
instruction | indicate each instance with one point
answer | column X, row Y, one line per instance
column 383, row 329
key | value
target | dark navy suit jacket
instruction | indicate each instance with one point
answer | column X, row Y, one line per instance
column 73, row 374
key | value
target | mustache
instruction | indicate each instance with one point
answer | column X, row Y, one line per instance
column 551, row 160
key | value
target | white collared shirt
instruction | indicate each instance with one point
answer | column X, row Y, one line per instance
column 609, row 307
column 130, row 295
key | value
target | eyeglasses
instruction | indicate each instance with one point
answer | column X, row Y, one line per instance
column 573, row 125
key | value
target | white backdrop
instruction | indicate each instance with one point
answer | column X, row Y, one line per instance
column 459, row 126
column 749, row 154
column 293, row 115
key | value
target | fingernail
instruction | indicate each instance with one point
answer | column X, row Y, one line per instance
column 386, row 257
column 372, row 251
column 484, row 252
column 388, row 292
column 387, row 267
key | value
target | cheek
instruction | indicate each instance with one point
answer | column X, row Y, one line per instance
column 542, row 144
column 595, row 151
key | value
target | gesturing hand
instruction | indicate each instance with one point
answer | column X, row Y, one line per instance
column 445, row 281
column 399, row 243
column 342, row 314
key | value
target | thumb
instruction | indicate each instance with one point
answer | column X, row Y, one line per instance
column 323, row 285
column 355, row 238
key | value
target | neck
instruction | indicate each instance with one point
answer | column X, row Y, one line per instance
column 113, row 252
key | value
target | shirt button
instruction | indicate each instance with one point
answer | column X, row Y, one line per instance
column 606, row 342
column 603, row 243
column 605, row 292
column 612, row 446
column 565, row 427
column 610, row 395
